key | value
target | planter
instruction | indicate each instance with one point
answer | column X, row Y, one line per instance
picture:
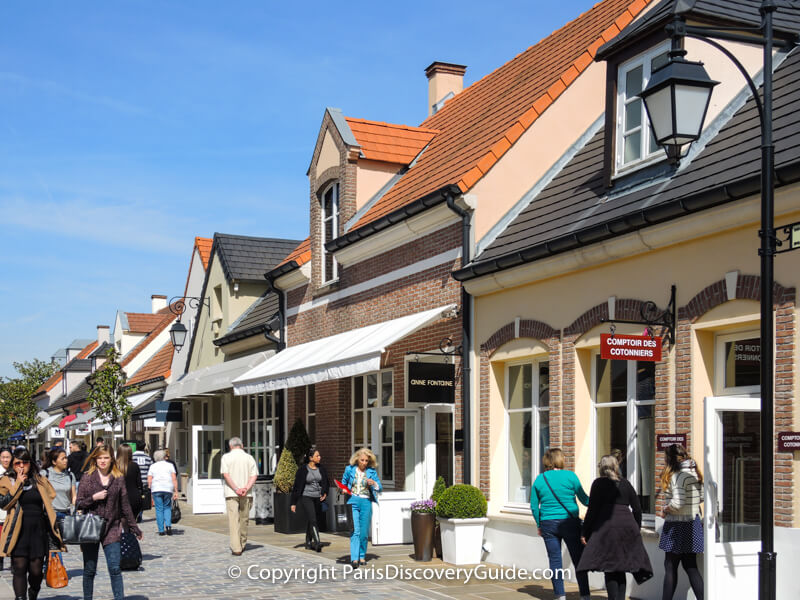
column 422, row 527
column 462, row 540
column 287, row 521
column 437, row 541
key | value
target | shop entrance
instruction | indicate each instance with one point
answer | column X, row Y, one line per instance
column 207, row 491
column 732, row 499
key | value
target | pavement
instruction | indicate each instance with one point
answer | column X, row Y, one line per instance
column 196, row 563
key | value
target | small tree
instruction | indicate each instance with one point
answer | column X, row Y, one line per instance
column 107, row 394
column 18, row 412
column 285, row 472
column 298, row 441
column 438, row 489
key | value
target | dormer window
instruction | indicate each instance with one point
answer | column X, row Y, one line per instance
column 330, row 230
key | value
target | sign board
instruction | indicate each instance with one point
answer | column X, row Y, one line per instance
column 630, row 347
column 795, row 239
column 168, row 412
column 83, row 430
column 56, row 432
column 431, row 382
column 789, row 441
column 664, row 441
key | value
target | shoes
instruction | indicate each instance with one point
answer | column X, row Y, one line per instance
column 363, row 561
column 236, row 553
column 162, row 533
column 316, row 544
column 354, row 564
column 169, row 530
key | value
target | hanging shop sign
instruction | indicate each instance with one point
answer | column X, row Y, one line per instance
column 168, row 412
column 630, row 347
column 56, row 432
column 664, row 441
column 431, row 383
column 789, row 441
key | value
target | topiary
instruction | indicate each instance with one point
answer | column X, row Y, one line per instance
column 438, row 487
column 461, row 502
column 285, row 472
column 298, row 441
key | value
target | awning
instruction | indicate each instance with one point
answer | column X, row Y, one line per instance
column 63, row 422
column 212, row 379
column 335, row 357
column 138, row 400
column 81, row 420
column 147, row 409
column 46, row 421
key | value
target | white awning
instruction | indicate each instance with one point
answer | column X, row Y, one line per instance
column 139, row 399
column 47, row 421
column 81, row 420
column 335, row 357
column 212, row 379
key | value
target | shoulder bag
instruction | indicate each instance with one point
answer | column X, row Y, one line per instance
column 559, row 499
column 82, row 528
column 56, row 572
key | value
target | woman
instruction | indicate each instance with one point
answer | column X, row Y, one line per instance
column 133, row 478
column 361, row 478
column 556, row 514
column 682, row 536
column 5, row 465
column 102, row 492
column 28, row 499
column 310, row 489
column 56, row 470
column 612, row 530
column 163, row 484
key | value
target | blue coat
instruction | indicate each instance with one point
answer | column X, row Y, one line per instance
column 349, row 478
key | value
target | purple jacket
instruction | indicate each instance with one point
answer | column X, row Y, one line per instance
column 113, row 509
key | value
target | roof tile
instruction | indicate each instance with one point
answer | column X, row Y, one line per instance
column 389, row 142
column 301, row 254
column 203, row 246
column 513, row 134
column 500, row 147
column 159, row 365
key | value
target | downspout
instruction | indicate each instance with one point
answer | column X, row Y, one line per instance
column 466, row 336
column 281, row 345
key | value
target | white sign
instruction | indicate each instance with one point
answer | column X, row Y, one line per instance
column 83, row 430
column 56, row 432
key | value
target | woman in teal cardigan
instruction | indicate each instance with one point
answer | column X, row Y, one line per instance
column 361, row 478
column 556, row 514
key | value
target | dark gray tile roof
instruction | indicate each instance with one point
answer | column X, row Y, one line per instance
column 575, row 209
column 78, row 364
column 101, row 350
column 76, row 396
column 246, row 258
column 254, row 320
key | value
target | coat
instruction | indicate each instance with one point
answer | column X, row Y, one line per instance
column 113, row 509
column 300, row 483
column 349, row 478
column 13, row 524
column 134, row 487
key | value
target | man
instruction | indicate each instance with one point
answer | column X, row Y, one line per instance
column 99, row 442
column 77, row 456
column 141, row 458
column 239, row 471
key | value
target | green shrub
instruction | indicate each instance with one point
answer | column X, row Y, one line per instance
column 438, row 487
column 298, row 441
column 461, row 502
column 285, row 472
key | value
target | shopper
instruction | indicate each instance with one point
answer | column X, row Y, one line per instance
column 163, row 483
column 142, row 458
column 103, row 492
column 239, row 470
column 5, row 465
column 556, row 514
column 77, row 459
column 612, row 530
column 361, row 478
column 27, row 497
column 63, row 482
column 682, row 536
column 309, row 491
column 133, row 478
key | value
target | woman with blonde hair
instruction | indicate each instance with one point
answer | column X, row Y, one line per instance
column 682, row 536
column 361, row 478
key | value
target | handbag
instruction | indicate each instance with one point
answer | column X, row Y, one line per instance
column 56, row 572
column 130, row 552
column 641, row 576
column 559, row 499
column 82, row 528
column 176, row 512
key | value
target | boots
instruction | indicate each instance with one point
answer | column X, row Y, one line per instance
column 33, row 594
column 317, row 544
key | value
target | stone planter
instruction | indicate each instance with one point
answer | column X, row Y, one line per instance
column 285, row 520
column 422, row 527
column 462, row 540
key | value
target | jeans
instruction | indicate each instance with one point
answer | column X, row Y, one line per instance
column 112, row 552
column 568, row 530
column 362, row 516
column 163, row 502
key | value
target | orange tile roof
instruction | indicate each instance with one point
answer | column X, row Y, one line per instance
column 388, row 142
column 158, row 366
column 481, row 123
column 56, row 377
column 301, row 254
column 166, row 318
column 203, row 246
column 143, row 322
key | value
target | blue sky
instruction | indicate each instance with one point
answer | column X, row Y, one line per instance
column 128, row 128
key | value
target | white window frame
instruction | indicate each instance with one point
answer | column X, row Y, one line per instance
column 366, row 411
column 311, row 390
column 269, row 452
column 646, row 158
column 334, row 218
column 719, row 364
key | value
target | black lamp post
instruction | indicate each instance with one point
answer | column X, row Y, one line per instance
column 673, row 99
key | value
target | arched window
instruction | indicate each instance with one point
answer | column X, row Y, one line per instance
column 330, row 230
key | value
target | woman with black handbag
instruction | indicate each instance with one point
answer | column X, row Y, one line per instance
column 30, row 525
column 103, row 493
column 556, row 514
column 309, row 490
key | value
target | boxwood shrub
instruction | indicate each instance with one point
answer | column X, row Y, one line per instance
column 461, row 502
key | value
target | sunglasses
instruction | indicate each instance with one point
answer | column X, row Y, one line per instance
column 21, row 462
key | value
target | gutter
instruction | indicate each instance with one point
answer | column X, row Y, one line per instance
column 271, row 276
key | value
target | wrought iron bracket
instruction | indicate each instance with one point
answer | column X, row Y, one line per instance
column 446, row 348
column 652, row 317
column 177, row 305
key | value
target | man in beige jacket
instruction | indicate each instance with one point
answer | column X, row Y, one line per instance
column 239, row 471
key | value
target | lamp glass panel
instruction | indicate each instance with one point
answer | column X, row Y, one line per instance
column 659, row 109
column 690, row 106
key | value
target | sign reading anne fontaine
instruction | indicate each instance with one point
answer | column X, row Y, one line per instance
column 630, row 347
column 431, row 383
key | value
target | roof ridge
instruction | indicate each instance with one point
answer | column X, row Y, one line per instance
column 397, row 125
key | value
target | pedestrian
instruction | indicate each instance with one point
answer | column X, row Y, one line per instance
column 174, row 466
column 682, row 536
column 102, row 492
column 557, row 516
column 163, row 483
column 100, row 441
column 25, row 493
column 309, row 491
column 77, row 459
column 5, row 465
column 142, row 458
column 133, row 478
column 612, row 531
column 239, row 471
column 361, row 478
column 63, row 481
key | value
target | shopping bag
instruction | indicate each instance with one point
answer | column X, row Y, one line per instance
column 176, row 512
column 56, row 572
column 130, row 552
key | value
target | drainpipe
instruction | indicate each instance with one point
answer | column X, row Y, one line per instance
column 281, row 312
column 466, row 335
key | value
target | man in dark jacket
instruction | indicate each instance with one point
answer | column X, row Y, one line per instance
column 77, row 456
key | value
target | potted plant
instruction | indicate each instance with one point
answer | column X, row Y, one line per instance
column 423, row 522
column 462, row 517
column 286, row 521
column 438, row 488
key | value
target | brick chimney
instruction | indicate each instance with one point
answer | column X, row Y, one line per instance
column 103, row 335
column 158, row 302
column 445, row 80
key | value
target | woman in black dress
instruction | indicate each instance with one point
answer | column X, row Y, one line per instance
column 30, row 525
column 612, row 531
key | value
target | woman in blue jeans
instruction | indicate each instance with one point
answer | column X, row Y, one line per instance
column 361, row 478
column 556, row 514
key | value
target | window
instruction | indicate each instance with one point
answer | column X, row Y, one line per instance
column 635, row 142
column 624, row 406
column 311, row 413
column 738, row 363
column 260, row 423
column 528, row 419
column 370, row 391
column 330, row 231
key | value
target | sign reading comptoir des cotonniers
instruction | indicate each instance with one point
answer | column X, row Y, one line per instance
column 630, row 347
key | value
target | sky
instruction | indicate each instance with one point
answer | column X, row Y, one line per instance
column 128, row 128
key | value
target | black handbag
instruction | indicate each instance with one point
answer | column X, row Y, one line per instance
column 176, row 512
column 82, row 528
column 130, row 552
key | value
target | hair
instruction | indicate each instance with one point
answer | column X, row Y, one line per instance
column 553, row 459
column 100, row 440
column 124, row 454
column 24, row 455
column 52, row 456
column 75, row 443
column 158, row 455
column 609, row 467
column 309, row 453
column 6, row 449
column 91, row 461
column 372, row 461
column 83, row 446
column 674, row 455
column 235, row 442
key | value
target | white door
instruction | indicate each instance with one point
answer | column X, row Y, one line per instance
column 732, row 499
column 396, row 444
column 207, row 491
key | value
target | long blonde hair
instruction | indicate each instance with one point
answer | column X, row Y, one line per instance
column 372, row 460
column 91, row 461
column 675, row 454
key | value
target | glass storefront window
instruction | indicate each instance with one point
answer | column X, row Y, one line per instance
column 311, row 413
column 259, row 432
column 374, row 387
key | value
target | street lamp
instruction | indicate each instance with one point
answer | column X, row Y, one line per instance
column 177, row 306
column 178, row 335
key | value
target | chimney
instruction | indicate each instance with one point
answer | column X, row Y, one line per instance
column 103, row 335
column 445, row 80
column 158, row 302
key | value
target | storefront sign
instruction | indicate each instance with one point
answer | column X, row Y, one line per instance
column 431, row 382
column 56, row 432
column 83, row 430
column 666, row 440
column 630, row 347
column 789, row 441
column 168, row 412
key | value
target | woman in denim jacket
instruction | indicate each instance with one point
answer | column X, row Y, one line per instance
column 361, row 478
